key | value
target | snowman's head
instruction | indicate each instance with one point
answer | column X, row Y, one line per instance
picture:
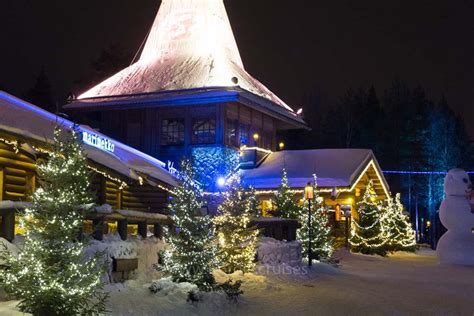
column 457, row 182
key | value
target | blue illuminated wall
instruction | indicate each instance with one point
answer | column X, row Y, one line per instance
column 210, row 163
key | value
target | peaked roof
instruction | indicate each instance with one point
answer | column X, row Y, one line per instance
column 333, row 167
column 29, row 121
column 190, row 45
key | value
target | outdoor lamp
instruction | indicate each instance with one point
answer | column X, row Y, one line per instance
column 281, row 145
column 308, row 191
column 255, row 138
column 309, row 195
column 221, row 181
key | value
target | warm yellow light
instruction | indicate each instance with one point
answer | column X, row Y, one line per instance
column 281, row 145
column 428, row 223
column 256, row 136
column 357, row 193
column 373, row 198
column 350, row 200
column 308, row 191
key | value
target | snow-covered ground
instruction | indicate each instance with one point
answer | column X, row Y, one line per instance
column 402, row 284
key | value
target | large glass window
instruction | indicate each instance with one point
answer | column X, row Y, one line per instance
column 172, row 132
column 204, row 131
column 231, row 133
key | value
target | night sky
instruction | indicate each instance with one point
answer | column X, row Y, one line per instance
column 292, row 46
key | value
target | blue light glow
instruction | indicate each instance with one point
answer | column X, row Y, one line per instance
column 221, row 181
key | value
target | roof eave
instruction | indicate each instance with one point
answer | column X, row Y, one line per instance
column 211, row 95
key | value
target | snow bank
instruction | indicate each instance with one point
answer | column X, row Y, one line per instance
column 5, row 244
column 274, row 252
column 146, row 250
column 9, row 309
column 135, row 298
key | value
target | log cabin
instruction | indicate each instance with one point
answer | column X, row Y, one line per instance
column 131, row 188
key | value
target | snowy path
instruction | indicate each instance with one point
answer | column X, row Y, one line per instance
column 403, row 284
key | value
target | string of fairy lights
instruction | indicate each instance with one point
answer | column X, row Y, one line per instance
column 381, row 226
column 121, row 184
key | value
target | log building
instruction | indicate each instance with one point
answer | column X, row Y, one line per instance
column 131, row 188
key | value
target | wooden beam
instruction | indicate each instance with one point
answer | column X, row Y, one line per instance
column 98, row 226
column 2, row 179
column 142, row 229
column 7, row 229
column 122, row 228
column 158, row 231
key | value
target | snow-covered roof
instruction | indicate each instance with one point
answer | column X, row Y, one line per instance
column 190, row 45
column 333, row 167
column 31, row 122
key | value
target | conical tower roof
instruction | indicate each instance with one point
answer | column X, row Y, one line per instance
column 190, row 45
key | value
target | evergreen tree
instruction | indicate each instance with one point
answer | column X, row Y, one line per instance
column 41, row 93
column 322, row 246
column 237, row 240
column 51, row 275
column 283, row 204
column 400, row 233
column 190, row 256
column 368, row 234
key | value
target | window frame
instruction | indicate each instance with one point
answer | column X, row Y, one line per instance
column 177, row 132
column 208, row 126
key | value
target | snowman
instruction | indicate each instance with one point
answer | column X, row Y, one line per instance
column 456, row 246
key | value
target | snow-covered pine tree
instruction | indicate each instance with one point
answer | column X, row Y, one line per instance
column 368, row 233
column 191, row 255
column 283, row 203
column 237, row 239
column 51, row 275
column 322, row 247
column 401, row 234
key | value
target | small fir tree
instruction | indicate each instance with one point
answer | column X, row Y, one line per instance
column 401, row 234
column 322, row 247
column 283, row 204
column 191, row 255
column 51, row 275
column 368, row 233
column 237, row 239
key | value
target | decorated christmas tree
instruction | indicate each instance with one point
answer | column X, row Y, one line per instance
column 283, row 203
column 51, row 275
column 237, row 239
column 400, row 232
column 368, row 233
column 320, row 232
column 191, row 255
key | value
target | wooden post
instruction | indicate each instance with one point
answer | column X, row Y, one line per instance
column 2, row 180
column 158, row 231
column 8, row 224
column 98, row 226
column 142, row 229
column 122, row 228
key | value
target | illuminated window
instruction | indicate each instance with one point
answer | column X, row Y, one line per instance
column 244, row 134
column 204, row 131
column 172, row 132
column 231, row 133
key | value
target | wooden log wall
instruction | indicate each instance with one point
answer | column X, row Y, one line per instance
column 18, row 174
column 144, row 198
column 18, row 182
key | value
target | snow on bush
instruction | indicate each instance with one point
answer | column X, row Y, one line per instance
column 6, row 245
column 166, row 286
column 274, row 252
column 146, row 250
